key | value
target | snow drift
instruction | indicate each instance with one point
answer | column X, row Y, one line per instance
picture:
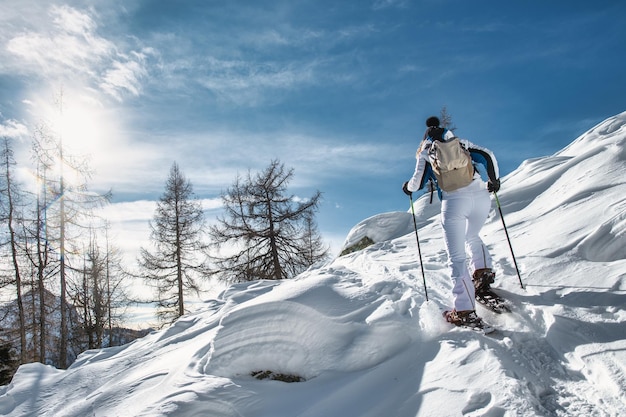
column 363, row 338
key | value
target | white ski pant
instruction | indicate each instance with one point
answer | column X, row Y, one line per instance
column 463, row 214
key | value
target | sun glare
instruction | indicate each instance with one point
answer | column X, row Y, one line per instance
column 87, row 130
column 82, row 128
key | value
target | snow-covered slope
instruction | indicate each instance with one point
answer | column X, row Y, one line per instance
column 361, row 334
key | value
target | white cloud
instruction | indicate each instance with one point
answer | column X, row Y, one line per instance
column 316, row 156
column 123, row 76
column 211, row 203
column 130, row 223
column 70, row 46
column 13, row 129
column 141, row 210
column 72, row 21
column 71, row 49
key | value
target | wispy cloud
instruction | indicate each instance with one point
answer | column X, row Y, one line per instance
column 384, row 4
column 253, row 67
column 125, row 74
column 244, row 82
column 70, row 45
column 317, row 158
column 72, row 49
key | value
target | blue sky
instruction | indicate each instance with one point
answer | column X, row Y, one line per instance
column 337, row 90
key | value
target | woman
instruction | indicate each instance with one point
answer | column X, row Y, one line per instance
column 464, row 211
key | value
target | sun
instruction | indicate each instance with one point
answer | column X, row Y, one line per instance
column 82, row 127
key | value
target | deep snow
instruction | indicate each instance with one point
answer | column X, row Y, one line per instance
column 361, row 333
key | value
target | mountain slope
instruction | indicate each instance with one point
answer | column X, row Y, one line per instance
column 361, row 334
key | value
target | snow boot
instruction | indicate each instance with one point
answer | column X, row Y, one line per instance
column 469, row 319
column 466, row 318
column 483, row 278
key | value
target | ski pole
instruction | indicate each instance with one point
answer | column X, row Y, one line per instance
column 419, row 251
column 508, row 239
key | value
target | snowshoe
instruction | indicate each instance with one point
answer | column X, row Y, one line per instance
column 468, row 319
column 483, row 278
column 493, row 302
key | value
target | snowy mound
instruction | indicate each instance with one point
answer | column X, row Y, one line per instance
column 577, row 196
column 379, row 228
column 364, row 341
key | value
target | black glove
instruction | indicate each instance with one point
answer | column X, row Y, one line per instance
column 493, row 186
column 406, row 189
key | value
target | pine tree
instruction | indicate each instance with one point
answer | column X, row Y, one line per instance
column 317, row 250
column 270, row 235
column 176, row 233
column 446, row 119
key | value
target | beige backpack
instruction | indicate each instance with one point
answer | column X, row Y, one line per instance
column 452, row 164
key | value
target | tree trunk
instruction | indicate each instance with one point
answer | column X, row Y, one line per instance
column 14, row 251
column 64, row 330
